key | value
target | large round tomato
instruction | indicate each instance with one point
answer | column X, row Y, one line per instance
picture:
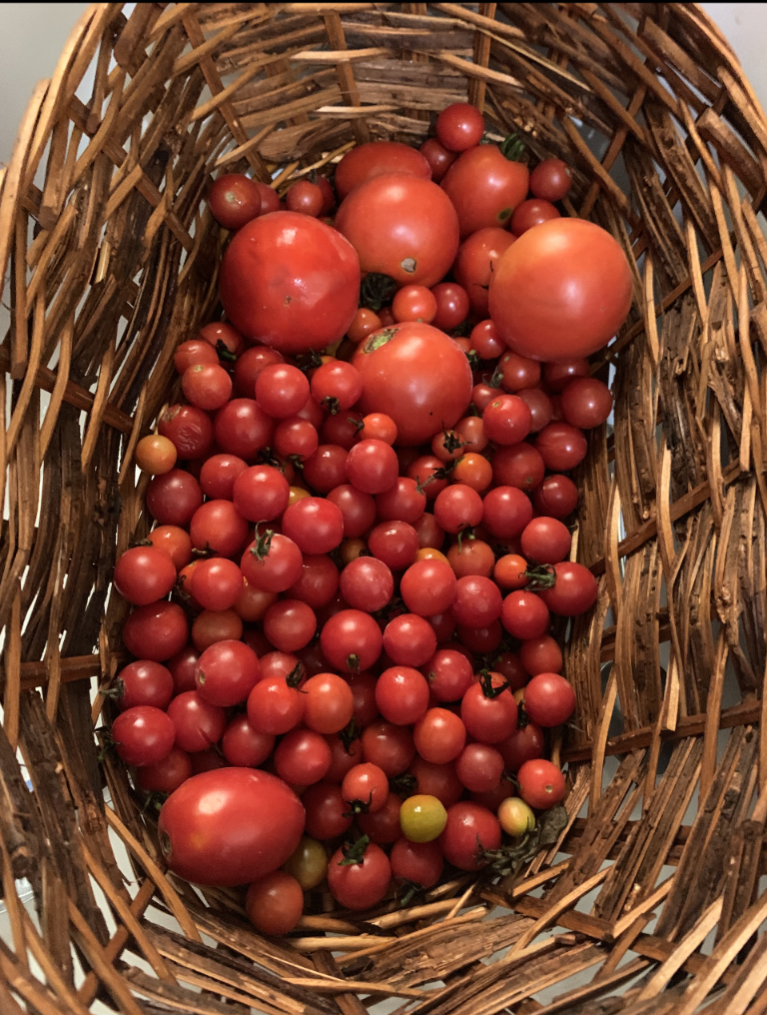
column 402, row 226
column 561, row 291
column 418, row 376
column 290, row 281
column 230, row 826
column 374, row 159
column 485, row 187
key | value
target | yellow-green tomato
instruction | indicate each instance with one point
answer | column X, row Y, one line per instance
column 308, row 864
column 422, row 818
column 515, row 816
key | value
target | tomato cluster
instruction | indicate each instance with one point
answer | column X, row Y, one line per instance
column 342, row 615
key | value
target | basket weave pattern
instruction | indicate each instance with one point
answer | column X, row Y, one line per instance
column 110, row 261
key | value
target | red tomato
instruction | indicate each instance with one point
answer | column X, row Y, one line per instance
column 586, row 402
column 318, row 582
column 551, row 180
column 157, row 631
column 198, row 724
column 402, row 695
column 218, row 526
column 485, row 188
column 428, row 587
column 549, row 699
column 558, row 375
column 574, row 591
column 195, row 350
column 414, row 303
column 272, row 563
column 409, row 640
column 489, row 719
column 302, row 757
column 250, row 364
column 525, row 615
column 365, row 787
column 541, row 655
column 403, row 500
column 189, row 428
column 545, row 540
column 314, row 524
column 144, row 574
column 561, row 446
column 282, row 390
column 223, row 337
column 234, row 200
column 388, row 746
column 207, row 385
column 452, row 305
column 290, row 281
column 174, row 541
column 274, row 903
column 540, row 406
column 328, row 703
column 460, row 126
column 290, row 625
column 556, row 496
column 361, row 884
column 216, row 583
column 305, row 197
column 439, row 736
column 437, row 780
column 519, row 465
column 418, row 862
column 242, row 428
column 561, row 291
column 250, row 817
column 382, row 827
column 143, row 735
column 541, row 783
column 416, row 235
column 327, row 813
column 532, row 213
column 376, row 159
column 243, row 746
column 372, row 466
column 367, row 584
column 475, row 264
column 506, row 511
column 166, row 775
column 226, row 673
column 438, row 157
column 351, row 640
column 507, row 420
column 470, row 829
column 395, row 543
column 274, row 706
column 144, row 682
column 449, row 673
column 479, row 767
column 523, row 745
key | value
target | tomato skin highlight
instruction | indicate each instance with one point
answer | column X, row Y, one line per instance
column 230, row 826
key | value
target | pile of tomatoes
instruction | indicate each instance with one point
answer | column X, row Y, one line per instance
column 344, row 667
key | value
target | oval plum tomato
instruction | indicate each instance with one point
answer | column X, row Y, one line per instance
column 414, row 303
column 314, row 524
column 551, row 180
column 367, row 584
column 226, row 673
column 420, row 863
column 143, row 735
column 198, row 723
column 475, row 264
column 144, row 682
column 308, row 864
column 531, row 213
column 173, row 497
column 156, row 632
column 470, row 829
column 327, row 813
column 243, row 746
column 216, row 583
column 189, row 428
column 574, row 591
column 409, row 640
column 523, row 745
column 507, row 420
column 416, row 235
column 519, row 465
column 328, row 703
column 166, row 775
column 351, row 641
column 541, row 784
column 377, row 158
column 234, row 200
column 559, row 374
column 485, row 188
column 561, row 291
column 275, row 902
column 586, row 402
column 438, row 157
column 274, row 706
column 304, row 197
column 382, row 827
column 290, row 281
column 372, row 466
column 525, row 615
column 365, row 787
column 144, row 574
column 416, row 375
column 250, row 364
column 302, row 757
column 428, row 587
column 389, row 746
column 402, row 695
column 561, row 446
column 250, row 817
column 449, row 673
column 272, row 563
column 359, row 883
column 452, row 305
column 545, row 540
column 156, row 455
column 506, row 512
column 242, row 428
column 218, row 526
column 549, row 699
column 439, row 735
column 492, row 717
column 479, row 767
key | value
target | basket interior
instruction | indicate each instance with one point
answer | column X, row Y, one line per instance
column 651, row 899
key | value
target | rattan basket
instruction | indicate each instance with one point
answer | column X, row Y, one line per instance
column 652, row 894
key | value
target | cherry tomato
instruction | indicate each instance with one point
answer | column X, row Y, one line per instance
column 218, row 526
column 198, row 723
column 295, row 437
column 250, row 364
column 189, row 428
column 318, row 582
column 414, row 303
column 437, row 780
column 351, row 641
column 574, row 591
column 525, row 615
column 485, row 188
column 372, row 466
column 156, row 632
column 507, row 420
column 471, row 557
column 422, row 818
column 449, row 674
column 409, row 641
column 439, row 735
column 558, row 375
column 365, row 323
column 302, row 757
column 515, row 817
column 358, row 509
column 478, row 601
column 182, row 668
column 367, row 584
column 376, row 159
column 207, row 385
column 556, row 496
column 402, row 694
column 144, row 574
column 382, row 827
column 395, row 543
column 216, row 583
column 551, row 180
column 562, row 446
column 143, row 735
column 274, row 706
column 327, row 813
column 144, row 682
column 523, row 745
column 363, row 691
column 275, row 902
column 458, row 507
column 165, row 775
column 469, row 830
column 226, row 673
column 388, row 746
column 242, row 428
column 173, row 497
column 520, row 465
column 360, row 884
column 540, row 406
column 245, row 747
column 531, row 213
column 290, row 625
column 314, row 524
column 452, row 305
column 234, row 200
column 428, row 587
column 378, row 426
column 541, row 783
column 223, row 337
column 365, row 787
column 308, row 864
column 195, row 350
column 460, row 126
column 479, row 767
column 489, row 719
column 484, row 337
column 541, row 655
column 250, row 817
column 328, row 703
column 509, row 571
column 545, row 540
column 506, row 512
column 438, row 157
column 586, row 402
column 549, row 699
column 305, row 197
column 212, row 626
column 272, row 563
column 155, row 455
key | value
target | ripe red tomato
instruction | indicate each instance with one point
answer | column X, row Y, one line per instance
column 485, row 188
column 242, row 428
column 157, row 631
column 541, row 655
column 532, row 213
column 376, row 159
column 144, row 574
column 402, row 695
column 540, row 405
column 382, row 827
column 489, row 719
column 144, row 682
column 586, row 402
column 198, row 724
column 207, row 385
column 367, row 584
column 173, row 497
column 290, row 282
column 418, row 862
column 234, row 200
column 372, row 466
column 166, row 775
column 389, row 747
column 438, row 157
column 506, row 511
column 328, row 703
column 561, row 291
column 449, row 673
column 414, row 303
column 507, row 420
column 519, row 465
column 274, row 706
column 541, row 783
column 475, row 264
column 523, row 745
column 272, row 563
column 525, row 615
column 395, row 543
column 361, row 884
column 452, row 305
column 189, row 428
column 218, row 526
column 327, row 813
column 479, row 767
column 365, row 787
column 275, row 902
column 243, row 746
column 470, row 829
column 561, row 446
column 302, row 757
column 351, row 641
column 437, row 780
column 558, row 375
column 545, row 540
column 574, row 591
column 460, row 126
column 409, row 640
column 216, row 583
column 416, row 236
column 428, row 587
column 403, row 501
column 439, row 736
column 314, row 524
column 477, row 602
column 551, row 180
column 226, row 673
column 305, row 197
column 290, row 625
column 318, row 582
column 248, row 816
column 143, row 735
column 174, row 541
column 549, row 699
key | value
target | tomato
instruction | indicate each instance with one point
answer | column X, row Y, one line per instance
column 458, row 507
column 377, row 158
column 438, row 157
column 477, row 602
column 482, row 394
column 182, row 668
column 155, row 454
column 363, row 691
column 223, row 337
column 327, row 813
column 474, row 267
column 574, row 591
column 308, row 864
column 531, row 213
column 197, row 722
column 365, row 323
column 525, row 615
column 422, row 818
column 418, row 376
column 173, row 497
column 328, row 703
column 489, row 719
column 367, row 584
column 409, row 640
column 143, row 735
column 372, row 466
column 520, row 465
column 515, row 817
column 234, row 200
column 336, row 386
column 586, row 402
column 351, row 641
column 415, row 238
column 165, row 775
column 507, row 420
column 212, row 626
column 250, row 817
column 156, row 632
column 378, row 426
column 365, row 787
column 509, row 571
column 395, row 543
column 144, row 574
column 481, row 640
column 389, row 747
column 218, row 526
column 452, row 305
column 439, row 736
column 558, row 375
column 382, row 827
column 506, row 511
column 551, row 180
column 437, row 780
column 216, row 583
column 206, row 385
column 484, row 338
column 272, row 563
column 428, row 587
column 305, row 197
column 493, row 798
column 174, row 541
column 243, row 746
column 428, row 532
column 523, row 745
column 470, row 829
column 362, row 883
column 402, row 694
column 556, row 496
column 195, row 350
column 414, row 303
column 270, row 200
column 541, row 784
column 290, row 282
column 302, row 757
column 460, row 126
column 561, row 291
column 545, row 540
column 274, row 706
column 144, row 682
column 250, row 364
column 314, row 524
column 290, row 625
column 189, row 428
column 549, row 699
column 541, row 655
column 318, row 582
column 540, row 406
column 226, row 673
column 471, row 557
column 449, row 673
column 509, row 665
column 358, row 509
column 281, row 390
column 561, row 446
column 403, row 501
column 485, row 188
column 326, row 468
column 275, row 902
column 479, row 767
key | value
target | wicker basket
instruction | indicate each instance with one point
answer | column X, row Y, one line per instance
column 651, row 894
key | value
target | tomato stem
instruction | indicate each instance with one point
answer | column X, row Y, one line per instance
column 541, row 576
column 349, row 734
column 224, row 352
column 488, row 688
column 513, row 148
column 263, row 543
column 354, row 852
column 377, row 290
